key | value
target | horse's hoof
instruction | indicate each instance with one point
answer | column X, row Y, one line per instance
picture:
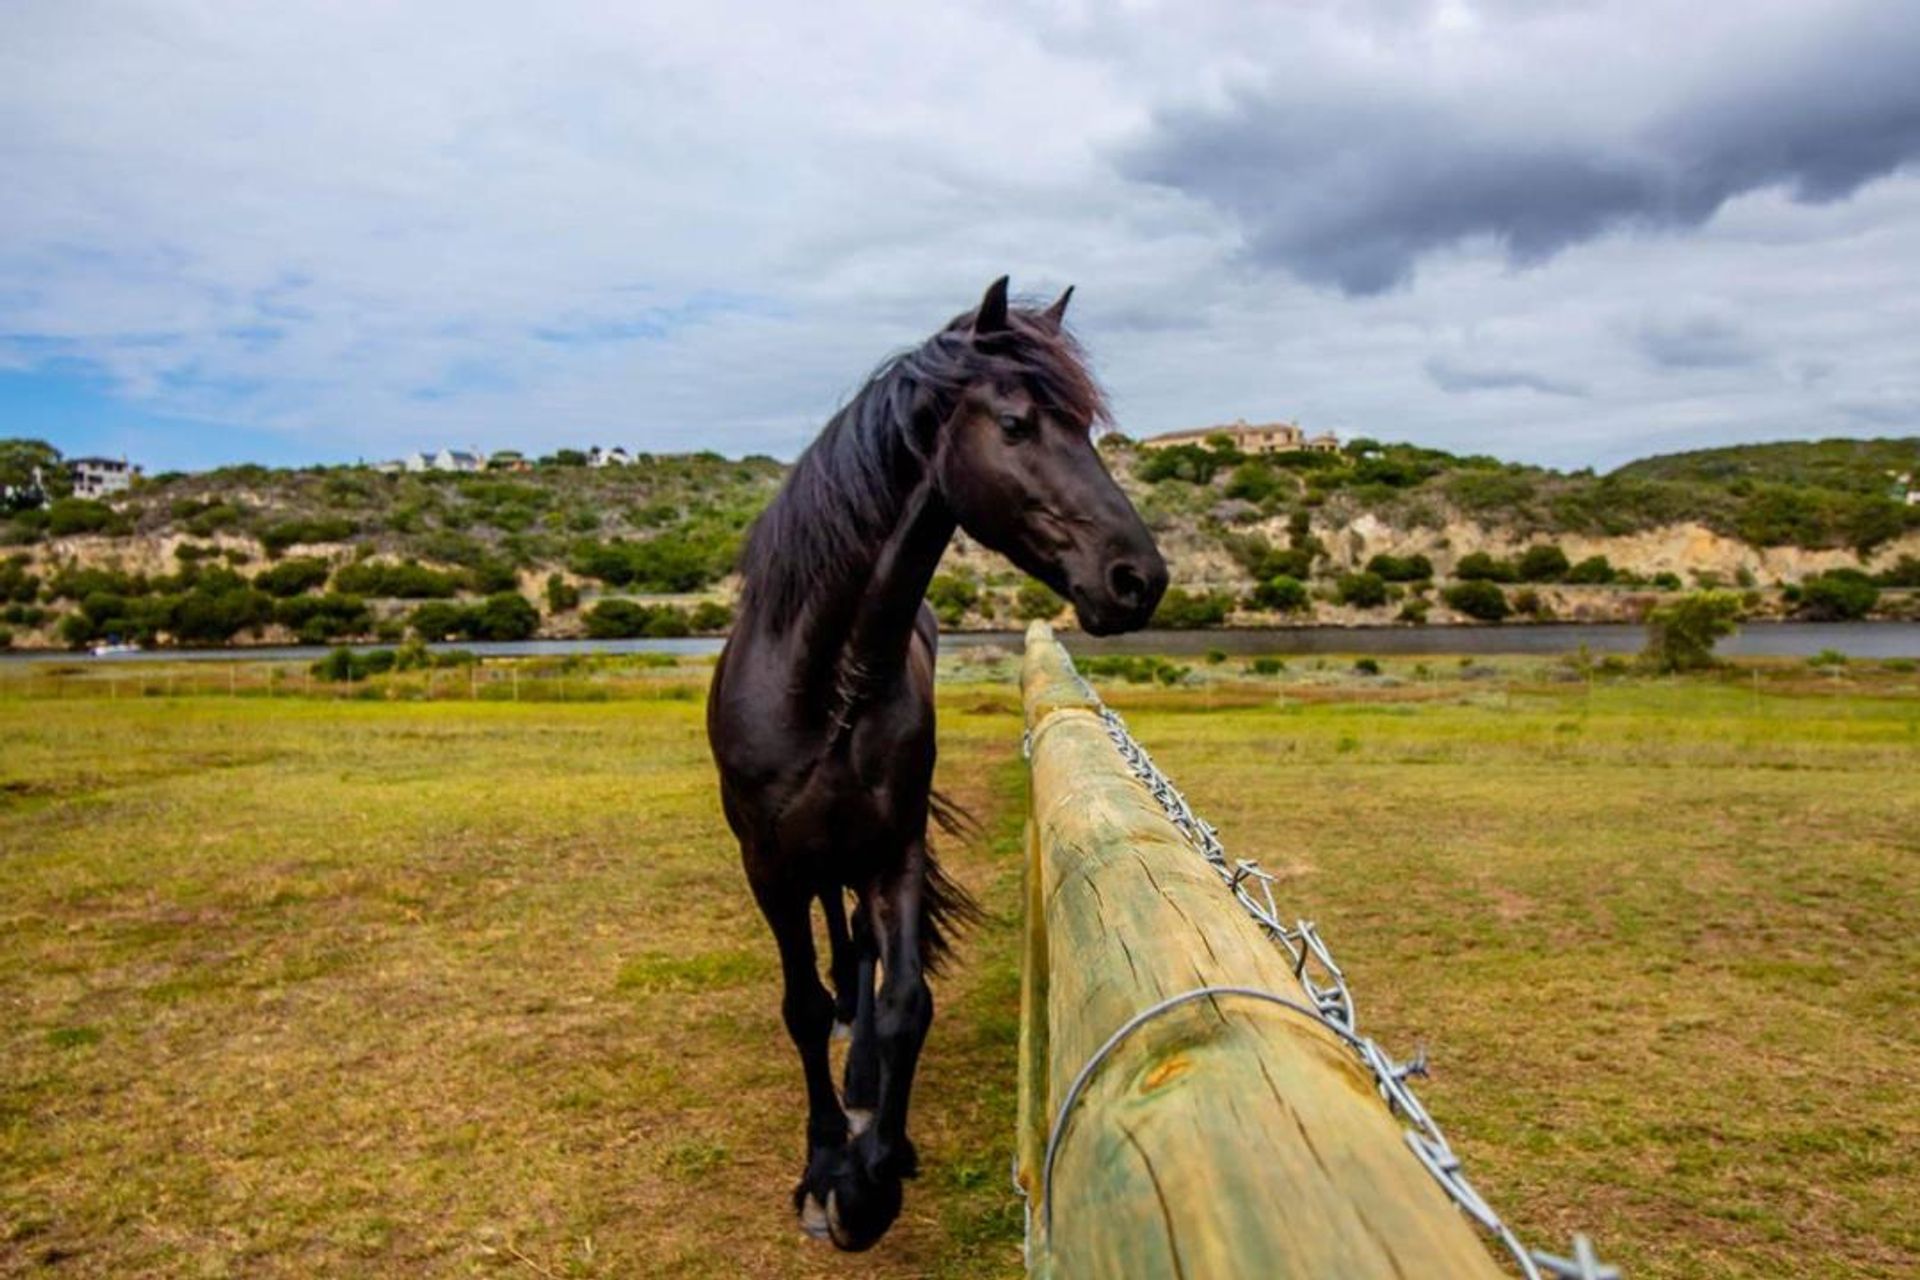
column 859, row 1120
column 859, row 1211
column 813, row 1216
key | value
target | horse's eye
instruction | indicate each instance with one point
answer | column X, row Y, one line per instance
column 1015, row 427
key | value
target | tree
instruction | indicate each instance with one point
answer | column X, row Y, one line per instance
column 1281, row 593
column 563, row 595
column 1543, row 562
column 951, row 597
column 1838, row 595
column 1594, row 570
column 1477, row 598
column 1362, row 590
column 1036, row 600
column 1681, row 635
column 1478, row 566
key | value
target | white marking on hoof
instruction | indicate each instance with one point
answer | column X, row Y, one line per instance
column 813, row 1217
column 843, row 1031
column 835, row 1230
column 859, row 1120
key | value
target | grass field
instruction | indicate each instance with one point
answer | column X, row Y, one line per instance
column 297, row 986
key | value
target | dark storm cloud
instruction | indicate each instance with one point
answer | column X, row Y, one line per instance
column 1350, row 183
column 1452, row 376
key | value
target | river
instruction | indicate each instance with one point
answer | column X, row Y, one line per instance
column 1768, row 639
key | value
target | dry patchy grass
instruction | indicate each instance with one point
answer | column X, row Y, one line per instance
column 296, row 987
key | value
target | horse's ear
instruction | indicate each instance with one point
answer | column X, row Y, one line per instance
column 992, row 316
column 1057, row 313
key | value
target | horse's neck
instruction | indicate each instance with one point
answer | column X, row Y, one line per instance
column 869, row 632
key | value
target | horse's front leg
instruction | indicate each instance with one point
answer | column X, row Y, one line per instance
column 867, row 1195
column 808, row 1011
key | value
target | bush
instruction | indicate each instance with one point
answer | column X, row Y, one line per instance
column 1838, row 595
column 1543, row 563
column 1362, row 590
column 1413, row 612
column 1266, row 666
column 1681, row 635
column 1282, row 594
column 291, row 577
column 1367, row 667
column 385, row 580
column 1477, row 598
column 69, row 516
column 1413, row 568
column 1478, row 566
column 276, row 538
column 1828, row 658
column 1182, row 610
column 1905, row 572
column 710, row 616
column 506, row 616
column 1593, row 571
column 629, row 620
column 318, row 619
column 6, row 638
column 17, row 586
column 951, row 597
column 1036, row 601
column 1133, row 668
column 561, row 594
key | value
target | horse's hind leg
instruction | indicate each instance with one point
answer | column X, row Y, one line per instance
column 808, row 1011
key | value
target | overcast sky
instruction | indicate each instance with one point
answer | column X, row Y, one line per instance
column 1564, row 232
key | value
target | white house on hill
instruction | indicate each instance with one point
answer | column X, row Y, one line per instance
column 98, row 477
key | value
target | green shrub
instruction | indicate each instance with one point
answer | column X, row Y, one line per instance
column 1036, row 601
column 1478, row 566
column 1838, row 595
column 1667, row 581
column 318, row 619
column 1282, row 594
column 17, row 586
column 1182, row 610
column 1362, row 590
column 1266, row 666
column 710, row 617
column 1477, row 598
column 69, row 516
column 1681, row 635
column 505, row 616
column 562, row 595
column 1543, row 562
column 1828, row 658
column 386, row 580
column 291, row 577
column 1904, row 572
column 1413, row 568
column 1414, row 611
column 276, row 538
column 1593, row 571
column 1367, row 667
column 951, row 597
column 1133, row 668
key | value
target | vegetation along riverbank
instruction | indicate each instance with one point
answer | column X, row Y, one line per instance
column 1370, row 534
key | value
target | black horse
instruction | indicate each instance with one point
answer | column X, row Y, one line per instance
column 821, row 715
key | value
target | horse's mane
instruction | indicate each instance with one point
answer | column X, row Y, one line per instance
column 844, row 493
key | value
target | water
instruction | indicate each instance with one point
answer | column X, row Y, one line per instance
column 1768, row 639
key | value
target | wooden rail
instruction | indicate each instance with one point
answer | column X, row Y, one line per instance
column 1227, row 1136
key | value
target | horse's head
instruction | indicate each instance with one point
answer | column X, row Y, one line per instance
column 1015, row 463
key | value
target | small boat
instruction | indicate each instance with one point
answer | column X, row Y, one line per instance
column 113, row 649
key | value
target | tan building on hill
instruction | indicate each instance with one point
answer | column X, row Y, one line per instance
column 1268, row 437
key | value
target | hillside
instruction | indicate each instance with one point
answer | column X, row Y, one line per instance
column 1375, row 533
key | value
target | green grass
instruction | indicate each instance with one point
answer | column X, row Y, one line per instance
column 367, row 987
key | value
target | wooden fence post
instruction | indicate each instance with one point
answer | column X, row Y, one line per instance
column 1226, row 1136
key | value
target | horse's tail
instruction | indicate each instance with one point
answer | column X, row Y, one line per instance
column 947, row 909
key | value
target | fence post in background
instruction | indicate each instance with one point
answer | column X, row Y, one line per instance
column 1190, row 1133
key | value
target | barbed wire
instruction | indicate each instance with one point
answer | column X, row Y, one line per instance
column 1326, row 989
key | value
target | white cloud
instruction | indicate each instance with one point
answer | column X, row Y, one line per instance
column 369, row 227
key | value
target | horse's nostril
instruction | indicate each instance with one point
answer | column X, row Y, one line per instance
column 1127, row 584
